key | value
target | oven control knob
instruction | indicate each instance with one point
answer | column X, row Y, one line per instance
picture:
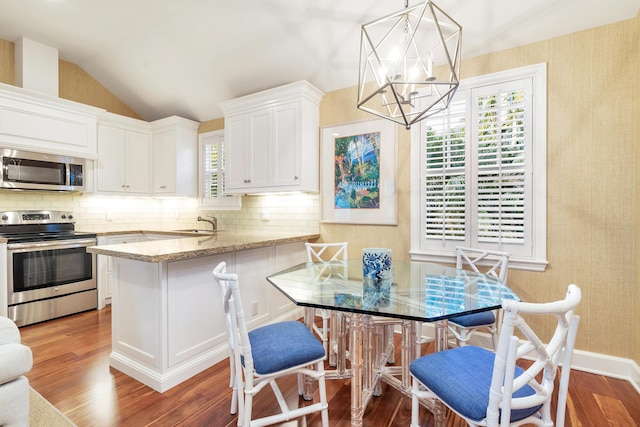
column 5, row 217
column 70, row 216
column 63, row 216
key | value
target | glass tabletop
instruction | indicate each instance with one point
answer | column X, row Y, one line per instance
column 417, row 290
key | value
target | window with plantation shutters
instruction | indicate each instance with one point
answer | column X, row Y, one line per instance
column 501, row 117
column 214, row 169
column 445, row 175
column 212, row 174
column 482, row 171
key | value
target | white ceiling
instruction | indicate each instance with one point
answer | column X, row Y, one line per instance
column 183, row 57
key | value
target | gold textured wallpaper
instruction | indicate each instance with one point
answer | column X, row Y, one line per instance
column 74, row 83
column 593, row 129
column 7, row 62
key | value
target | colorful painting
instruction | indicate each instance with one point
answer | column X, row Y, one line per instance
column 357, row 171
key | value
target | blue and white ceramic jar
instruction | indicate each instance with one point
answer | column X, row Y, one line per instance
column 376, row 263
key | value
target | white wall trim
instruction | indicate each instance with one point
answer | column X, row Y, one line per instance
column 586, row 361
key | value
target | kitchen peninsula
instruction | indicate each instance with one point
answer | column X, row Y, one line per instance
column 167, row 321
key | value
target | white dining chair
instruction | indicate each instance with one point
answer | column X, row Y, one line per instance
column 328, row 332
column 259, row 357
column 489, row 262
column 491, row 389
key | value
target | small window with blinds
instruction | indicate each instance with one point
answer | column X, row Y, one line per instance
column 477, row 169
column 212, row 173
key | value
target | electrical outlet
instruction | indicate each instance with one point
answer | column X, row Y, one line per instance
column 254, row 308
column 266, row 215
column 109, row 216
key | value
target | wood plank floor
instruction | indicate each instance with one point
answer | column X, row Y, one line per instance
column 71, row 370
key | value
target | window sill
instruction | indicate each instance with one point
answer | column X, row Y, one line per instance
column 528, row 264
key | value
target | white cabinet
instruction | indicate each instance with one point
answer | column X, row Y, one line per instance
column 252, row 267
column 287, row 255
column 248, row 137
column 124, row 153
column 175, row 157
column 104, row 263
column 167, row 322
column 272, row 140
column 42, row 123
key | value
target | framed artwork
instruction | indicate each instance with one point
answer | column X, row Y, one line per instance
column 359, row 173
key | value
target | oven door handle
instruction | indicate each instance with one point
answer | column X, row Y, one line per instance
column 49, row 245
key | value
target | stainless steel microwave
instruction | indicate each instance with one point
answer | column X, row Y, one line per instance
column 26, row 170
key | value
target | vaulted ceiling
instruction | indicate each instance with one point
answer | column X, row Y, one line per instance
column 166, row 57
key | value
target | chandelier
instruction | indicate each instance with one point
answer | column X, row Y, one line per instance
column 409, row 64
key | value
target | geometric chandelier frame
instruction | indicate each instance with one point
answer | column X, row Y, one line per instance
column 409, row 64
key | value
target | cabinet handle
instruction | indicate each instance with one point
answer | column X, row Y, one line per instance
column 124, row 186
column 247, row 181
column 296, row 178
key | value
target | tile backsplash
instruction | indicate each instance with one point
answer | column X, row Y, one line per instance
column 276, row 212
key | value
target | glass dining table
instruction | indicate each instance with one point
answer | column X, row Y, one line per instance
column 417, row 293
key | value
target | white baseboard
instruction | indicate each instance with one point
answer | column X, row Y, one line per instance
column 610, row 366
column 595, row 363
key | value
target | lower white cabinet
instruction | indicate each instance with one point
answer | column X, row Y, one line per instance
column 167, row 318
column 104, row 264
column 286, row 256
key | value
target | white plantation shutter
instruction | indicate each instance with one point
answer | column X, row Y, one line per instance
column 214, row 168
column 212, row 173
column 501, row 128
column 445, row 205
column 476, row 170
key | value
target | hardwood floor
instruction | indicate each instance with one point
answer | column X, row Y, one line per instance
column 71, row 370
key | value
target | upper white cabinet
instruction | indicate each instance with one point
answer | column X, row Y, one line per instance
column 175, row 157
column 124, row 155
column 272, row 140
column 44, row 123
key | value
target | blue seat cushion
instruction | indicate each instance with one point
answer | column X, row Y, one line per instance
column 283, row 345
column 461, row 378
column 474, row 319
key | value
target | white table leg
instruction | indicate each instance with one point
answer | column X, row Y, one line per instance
column 357, row 409
column 408, row 351
column 439, row 410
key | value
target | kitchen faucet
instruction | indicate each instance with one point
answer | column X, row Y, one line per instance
column 213, row 221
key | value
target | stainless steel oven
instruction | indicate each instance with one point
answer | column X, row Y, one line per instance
column 49, row 273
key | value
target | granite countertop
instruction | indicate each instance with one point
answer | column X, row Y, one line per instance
column 203, row 244
column 186, row 233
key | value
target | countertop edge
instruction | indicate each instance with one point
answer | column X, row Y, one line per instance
column 136, row 251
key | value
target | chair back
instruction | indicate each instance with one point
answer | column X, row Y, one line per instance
column 546, row 357
column 237, row 333
column 492, row 263
column 325, row 252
